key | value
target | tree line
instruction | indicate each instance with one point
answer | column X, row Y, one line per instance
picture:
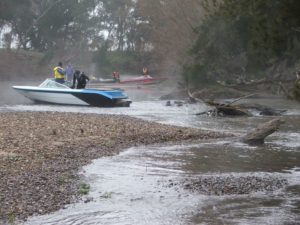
column 203, row 40
column 109, row 29
column 250, row 39
column 124, row 34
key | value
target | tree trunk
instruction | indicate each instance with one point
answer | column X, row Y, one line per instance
column 258, row 136
column 296, row 90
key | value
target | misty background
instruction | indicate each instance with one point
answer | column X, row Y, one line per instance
column 192, row 42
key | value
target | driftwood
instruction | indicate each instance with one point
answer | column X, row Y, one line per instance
column 264, row 110
column 258, row 136
column 255, row 137
column 193, row 98
column 227, row 109
column 238, row 99
column 222, row 109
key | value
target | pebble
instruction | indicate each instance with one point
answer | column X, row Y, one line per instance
column 49, row 148
column 232, row 185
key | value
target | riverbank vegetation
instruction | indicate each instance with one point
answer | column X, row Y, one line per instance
column 244, row 43
column 200, row 42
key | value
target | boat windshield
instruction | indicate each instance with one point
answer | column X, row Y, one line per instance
column 50, row 83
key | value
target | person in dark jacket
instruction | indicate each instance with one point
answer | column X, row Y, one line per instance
column 80, row 79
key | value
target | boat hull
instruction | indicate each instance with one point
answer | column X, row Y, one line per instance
column 83, row 97
column 145, row 81
column 142, row 80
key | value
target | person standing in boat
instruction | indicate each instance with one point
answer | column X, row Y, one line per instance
column 59, row 73
column 69, row 72
column 145, row 71
column 116, row 76
column 80, row 79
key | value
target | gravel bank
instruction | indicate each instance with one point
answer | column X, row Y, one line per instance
column 232, row 185
column 41, row 153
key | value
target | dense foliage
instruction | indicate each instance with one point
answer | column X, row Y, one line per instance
column 227, row 38
column 64, row 28
column 42, row 25
column 119, row 34
column 246, row 38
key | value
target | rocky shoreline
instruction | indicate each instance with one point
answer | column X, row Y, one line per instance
column 42, row 152
column 227, row 184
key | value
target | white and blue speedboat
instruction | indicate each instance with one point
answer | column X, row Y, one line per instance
column 55, row 93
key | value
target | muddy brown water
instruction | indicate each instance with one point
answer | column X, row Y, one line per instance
column 134, row 186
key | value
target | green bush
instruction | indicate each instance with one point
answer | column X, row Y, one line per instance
column 109, row 61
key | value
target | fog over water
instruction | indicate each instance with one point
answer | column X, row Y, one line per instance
column 229, row 47
column 8, row 96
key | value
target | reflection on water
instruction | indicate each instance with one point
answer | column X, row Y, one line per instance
column 231, row 158
column 8, row 96
column 132, row 188
column 274, row 210
column 126, row 190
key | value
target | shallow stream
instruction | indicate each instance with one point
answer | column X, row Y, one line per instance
column 142, row 185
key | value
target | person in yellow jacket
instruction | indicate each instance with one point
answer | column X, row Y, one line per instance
column 59, row 73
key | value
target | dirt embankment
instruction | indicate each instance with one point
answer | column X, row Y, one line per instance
column 22, row 65
column 41, row 153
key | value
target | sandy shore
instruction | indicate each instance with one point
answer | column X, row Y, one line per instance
column 41, row 153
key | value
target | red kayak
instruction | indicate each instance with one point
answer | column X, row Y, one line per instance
column 140, row 80
column 145, row 79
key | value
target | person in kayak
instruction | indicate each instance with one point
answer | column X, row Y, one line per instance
column 116, row 76
column 145, row 71
column 59, row 73
column 81, row 80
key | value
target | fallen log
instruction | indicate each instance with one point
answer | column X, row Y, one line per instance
column 225, row 111
column 228, row 110
column 258, row 136
column 238, row 99
column 263, row 110
column 232, row 111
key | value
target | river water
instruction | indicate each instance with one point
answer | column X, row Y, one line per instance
column 141, row 184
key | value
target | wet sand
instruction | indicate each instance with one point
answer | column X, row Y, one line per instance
column 42, row 152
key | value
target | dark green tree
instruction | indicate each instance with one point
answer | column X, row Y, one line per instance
column 241, row 37
column 60, row 23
